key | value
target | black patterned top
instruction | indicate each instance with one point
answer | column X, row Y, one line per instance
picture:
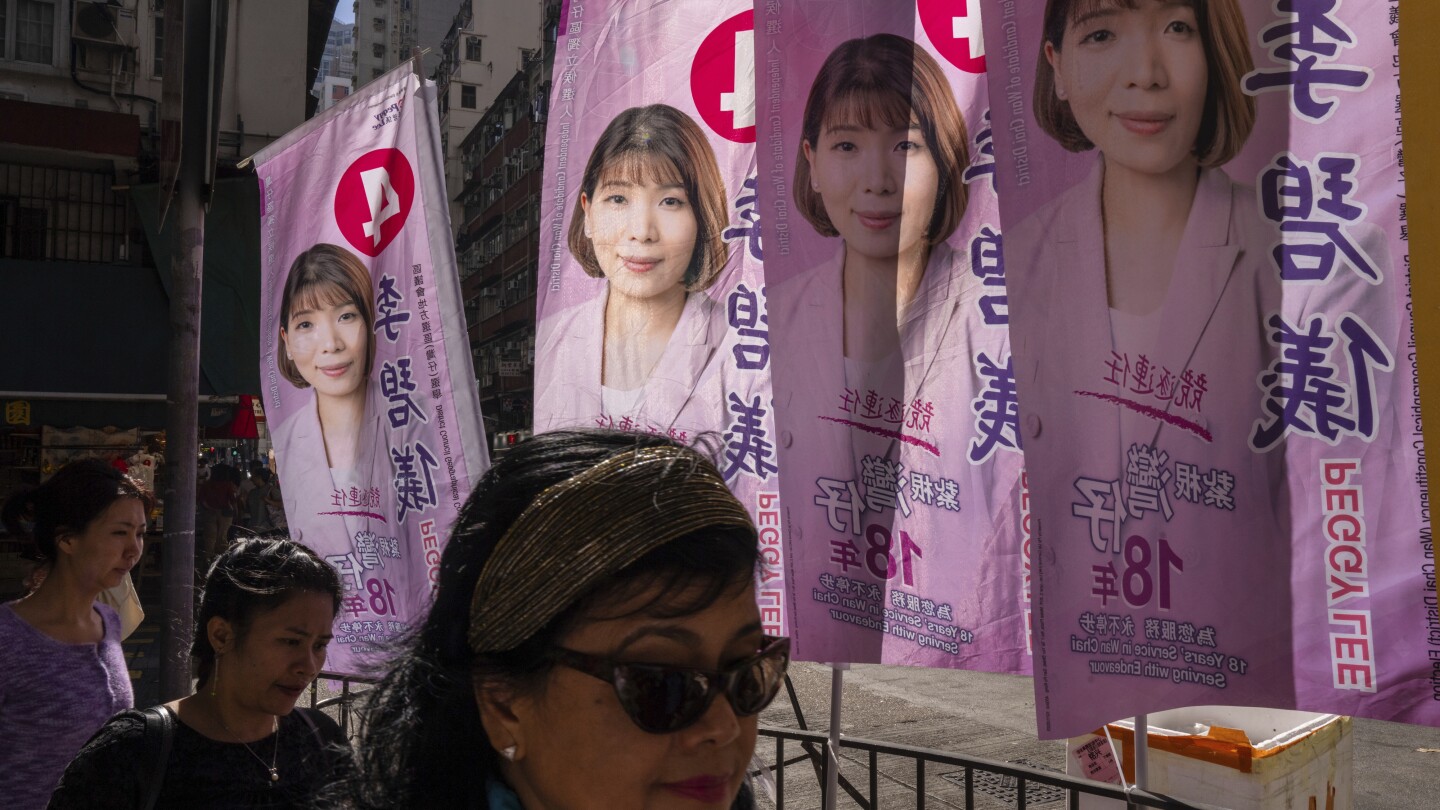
column 205, row 773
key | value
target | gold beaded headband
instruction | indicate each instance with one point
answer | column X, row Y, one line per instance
column 586, row 528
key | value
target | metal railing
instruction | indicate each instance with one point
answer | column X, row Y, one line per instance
column 969, row 774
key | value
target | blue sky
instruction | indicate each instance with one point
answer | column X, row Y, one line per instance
column 345, row 11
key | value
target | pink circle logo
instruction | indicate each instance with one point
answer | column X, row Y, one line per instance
column 954, row 29
column 373, row 200
column 722, row 78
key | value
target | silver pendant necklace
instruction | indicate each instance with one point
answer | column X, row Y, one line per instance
column 274, row 755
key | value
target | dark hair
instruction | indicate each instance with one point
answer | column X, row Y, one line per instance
column 262, row 474
column 73, row 498
column 423, row 739
column 254, row 576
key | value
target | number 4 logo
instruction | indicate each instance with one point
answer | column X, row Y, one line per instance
column 722, row 79
column 384, row 200
column 373, row 199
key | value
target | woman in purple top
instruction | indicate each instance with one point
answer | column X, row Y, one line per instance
column 63, row 673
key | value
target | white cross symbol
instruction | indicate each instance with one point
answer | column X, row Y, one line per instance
column 741, row 103
column 967, row 27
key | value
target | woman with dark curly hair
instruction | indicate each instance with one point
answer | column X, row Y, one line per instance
column 594, row 642
column 239, row 741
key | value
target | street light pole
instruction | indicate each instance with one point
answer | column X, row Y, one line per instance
column 182, row 409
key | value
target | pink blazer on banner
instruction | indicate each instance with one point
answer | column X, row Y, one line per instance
column 1213, row 321
column 683, row 392
column 940, row 336
column 308, row 487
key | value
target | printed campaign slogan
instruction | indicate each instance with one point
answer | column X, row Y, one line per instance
column 368, row 381
column 893, row 383
column 652, row 300
column 1205, row 238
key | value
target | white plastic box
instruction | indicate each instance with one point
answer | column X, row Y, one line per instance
column 1229, row 756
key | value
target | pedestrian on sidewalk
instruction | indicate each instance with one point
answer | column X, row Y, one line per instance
column 63, row 673
column 257, row 511
column 594, row 641
column 239, row 741
column 218, row 499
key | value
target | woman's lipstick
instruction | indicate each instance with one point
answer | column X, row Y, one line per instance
column 1144, row 123
column 703, row 789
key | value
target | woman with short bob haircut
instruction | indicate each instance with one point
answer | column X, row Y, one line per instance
column 657, row 145
column 239, row 741
column 1228, row 115
column 63, row 672
column 649, row 219
column 327, row 319
column 881, row 165
column 887, row 81
column 1141, row 295
column 335, row 439
column 594, row 641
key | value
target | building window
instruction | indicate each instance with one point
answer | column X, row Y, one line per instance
column 27, row 30
column 379, row 51
column 379, row 23
column 472, row 49
column 157, row 60
column 467, row 96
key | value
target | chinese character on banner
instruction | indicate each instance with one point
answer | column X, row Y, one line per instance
column 414, row 478
column 987, row 262
column 747, row 207
column 1306, row 43
column 747, row 317
column 387, row 303
column 997, row 411
column 1303, row 393
column 984, row 163
column 746, row 447
column 1315, row 222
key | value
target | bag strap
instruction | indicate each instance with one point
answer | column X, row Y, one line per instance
column 159, row 735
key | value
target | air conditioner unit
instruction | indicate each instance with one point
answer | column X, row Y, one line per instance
column 487, row 380
column 96, row 23
column 489, row 292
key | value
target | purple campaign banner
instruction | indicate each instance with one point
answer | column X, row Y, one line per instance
column 369, row 389
column 1208, row 279
column 893, row 384
column 652, row 301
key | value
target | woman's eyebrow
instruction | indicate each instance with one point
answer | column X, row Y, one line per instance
column 748, row 630
column 1096, row 13
column 681, row 635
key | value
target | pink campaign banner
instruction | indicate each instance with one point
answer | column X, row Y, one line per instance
column 1208, row 278
column 652, row 301
column 893, row 387
column 369, row 389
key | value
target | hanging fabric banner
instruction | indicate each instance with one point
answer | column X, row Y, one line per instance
column 369, row 390
column 651, row 302
column 1208, row 279
column 894, row 389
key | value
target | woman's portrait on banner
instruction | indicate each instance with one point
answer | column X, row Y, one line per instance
column 336, row 441
column 648, row 220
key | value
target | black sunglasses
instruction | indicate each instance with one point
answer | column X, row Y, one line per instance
column 663, row 699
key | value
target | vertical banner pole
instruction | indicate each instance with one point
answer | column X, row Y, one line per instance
column 832, row 750
column 1142, row 751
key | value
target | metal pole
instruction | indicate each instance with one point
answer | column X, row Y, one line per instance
column 1142, row 751
column 832, row 750
column 183, row 373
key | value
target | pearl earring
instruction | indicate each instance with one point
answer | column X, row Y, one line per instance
column 509, row 752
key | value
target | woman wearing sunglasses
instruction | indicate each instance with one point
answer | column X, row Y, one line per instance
column 594, row 641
